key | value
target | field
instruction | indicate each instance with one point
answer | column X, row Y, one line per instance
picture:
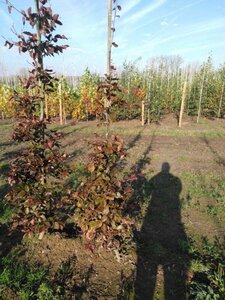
column 184, row 216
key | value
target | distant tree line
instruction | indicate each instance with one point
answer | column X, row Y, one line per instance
column 149, row 93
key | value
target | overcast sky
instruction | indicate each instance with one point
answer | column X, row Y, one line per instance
column 146, row 28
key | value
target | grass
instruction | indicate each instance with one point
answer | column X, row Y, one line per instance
column 206, row 192
column 167, row 132
column 76, row 176
column 118, row 128
column 6, row 126
column 208, row 267
column 20, row 280
column 5, row 213
column 26, row 280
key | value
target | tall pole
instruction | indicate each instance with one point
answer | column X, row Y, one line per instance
column 109, row 38
column 38, row 28
column 109, row 48
column 41, row 65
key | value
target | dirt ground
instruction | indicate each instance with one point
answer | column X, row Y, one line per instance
column 184, row 165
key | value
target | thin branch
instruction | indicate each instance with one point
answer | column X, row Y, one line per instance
column 10, row 3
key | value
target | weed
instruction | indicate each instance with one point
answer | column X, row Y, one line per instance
column 208, row 281
column 20, row 278
column 205, row 192
column 45, row 292
column 127, row 290
column 30, row 281
column 186, row 201
column 76, row 177
column 6, row 212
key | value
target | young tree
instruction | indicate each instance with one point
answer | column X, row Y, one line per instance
column 103, row 197
column 33, row 194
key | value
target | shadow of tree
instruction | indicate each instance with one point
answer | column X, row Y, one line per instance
column 8, row 239
column 71, row 281
column 140, row 188
column 10, row 155
column 73, row 130
column 4, row 188
column 4, row 169
column 6, row 144
column 134, row 141
column 218, row 158
column 126, row 287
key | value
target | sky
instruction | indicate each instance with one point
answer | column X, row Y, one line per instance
column 193, row 29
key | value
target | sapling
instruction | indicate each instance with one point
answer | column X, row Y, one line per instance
column 31, row 174
column 102, row 198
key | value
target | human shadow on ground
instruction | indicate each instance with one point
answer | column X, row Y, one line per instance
column 160, row 240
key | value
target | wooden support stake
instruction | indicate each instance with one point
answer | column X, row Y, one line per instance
column 200, row 96
column 60, row 103
column 46, row 107
column 148, row 116
column 220, row 105
column 143, row 112
column 182, row 103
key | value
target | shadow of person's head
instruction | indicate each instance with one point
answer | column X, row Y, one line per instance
column 165, row 168
column 165, row 183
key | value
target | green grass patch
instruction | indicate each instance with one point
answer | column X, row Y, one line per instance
column 208, row 267
column 206, row 192
column 6, row 126
column 77, row 174
column 28, row 280
column 202, row 130
column 23, row 281
column 116, row 128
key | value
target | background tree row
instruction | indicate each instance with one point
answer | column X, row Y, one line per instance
column 158, row 87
